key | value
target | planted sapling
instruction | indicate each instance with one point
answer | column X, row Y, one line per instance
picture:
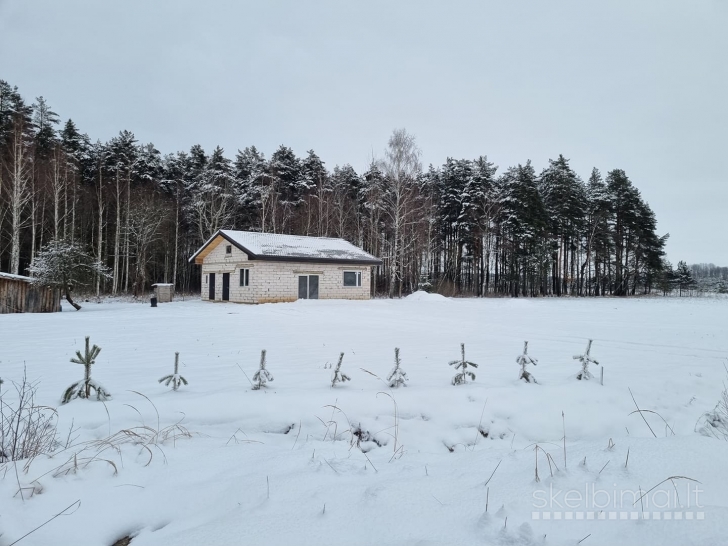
column 585, row 360
column 175, row 379
column 462, row 376
column 83, row 388
column 262, row 376
column 397, row 376
column 523, row 361
column 338, row 375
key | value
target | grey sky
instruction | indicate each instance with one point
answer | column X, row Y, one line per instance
column 637, row 85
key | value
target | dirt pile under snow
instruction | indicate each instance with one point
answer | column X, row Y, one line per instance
column 421, row 295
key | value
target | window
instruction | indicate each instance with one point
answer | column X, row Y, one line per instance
column 229, row 249
column 244, row 277
column 352, row 278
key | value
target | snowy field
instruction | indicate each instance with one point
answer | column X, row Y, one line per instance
column 282, row 466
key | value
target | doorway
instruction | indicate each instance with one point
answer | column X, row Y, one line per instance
column 211, row 294
column 226, row 287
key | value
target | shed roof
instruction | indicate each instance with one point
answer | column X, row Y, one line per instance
column 15, row 277
column 291, row 248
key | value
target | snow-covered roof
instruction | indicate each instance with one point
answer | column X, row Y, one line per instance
column 274, row 246
column 14, row 277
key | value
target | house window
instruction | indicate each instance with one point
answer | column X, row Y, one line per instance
column 229, row 249
column 244, row 277
column 352, row 278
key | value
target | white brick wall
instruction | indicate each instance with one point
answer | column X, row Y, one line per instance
column 278, row 281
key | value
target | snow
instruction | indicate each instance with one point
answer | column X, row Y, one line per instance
column 261, row 465
column 274, row 245
column 15, row 277
column 421, row 295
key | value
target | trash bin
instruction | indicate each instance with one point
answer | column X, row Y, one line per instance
column 154, row 301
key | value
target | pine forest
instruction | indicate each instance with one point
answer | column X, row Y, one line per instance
column 466, row 227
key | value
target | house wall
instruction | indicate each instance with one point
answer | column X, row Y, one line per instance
column 278, row 281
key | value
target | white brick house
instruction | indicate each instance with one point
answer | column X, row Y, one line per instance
column 251, row 267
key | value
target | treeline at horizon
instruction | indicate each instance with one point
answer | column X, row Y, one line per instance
column 461, row 228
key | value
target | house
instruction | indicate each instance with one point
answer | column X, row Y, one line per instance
column 18, row 294
column 251, row 267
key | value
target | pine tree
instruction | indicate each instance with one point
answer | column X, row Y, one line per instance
column 683, row 277
column 397, row 377
column 338, row 375
column 262, row 376
column 585, row 360
column 175, row 379
column 462, row 376
column 83, row 388
column 523, row 360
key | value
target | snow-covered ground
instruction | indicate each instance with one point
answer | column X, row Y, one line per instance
column 281, row 466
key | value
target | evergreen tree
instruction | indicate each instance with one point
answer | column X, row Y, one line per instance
column 524, row 360
column 338, row 376
column 585, row 359
column 397, row 377
column 83, row 388
column 683, row 277
column 262, row 376
column 175, row 379
column 462, row 376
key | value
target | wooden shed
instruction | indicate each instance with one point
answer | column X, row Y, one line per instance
column 19, row 295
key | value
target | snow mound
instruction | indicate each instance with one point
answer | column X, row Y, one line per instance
column 421, row 295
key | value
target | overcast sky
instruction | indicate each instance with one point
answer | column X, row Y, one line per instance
column 637, row 85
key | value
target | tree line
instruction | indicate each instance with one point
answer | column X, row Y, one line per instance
column 461, row 228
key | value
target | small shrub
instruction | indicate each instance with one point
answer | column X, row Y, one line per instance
column 175, row 379
column 83, row 388
column 397, row 376
column 262, row 376
column 523, row 361
column 585, row 360
column 462, row 376
column 338, row 375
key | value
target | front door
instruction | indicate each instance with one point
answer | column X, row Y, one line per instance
column 308, row 287
column 212, row 287
column 226, row 286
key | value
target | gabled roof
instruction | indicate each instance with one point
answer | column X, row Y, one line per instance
column 289, row 248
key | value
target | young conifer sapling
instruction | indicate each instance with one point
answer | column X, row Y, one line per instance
column 83, row 388
column 585, row 360
column 397, row 376
column 175, row 379
column 338, row 375
column 462, row 376
column 262, row 376
column 523, row 361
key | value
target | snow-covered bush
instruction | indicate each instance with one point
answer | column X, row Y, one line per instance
column 262, row 376
column 585, row 360
column 338, row 375
column 397, row 376
column 83, row 388
column 462, row 376
column 175, row 379
column 523, row 361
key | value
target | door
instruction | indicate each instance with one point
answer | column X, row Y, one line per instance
column 212, row 287
column 303, row 287
column 226, row 286
column 313, row 287
column 308, row 287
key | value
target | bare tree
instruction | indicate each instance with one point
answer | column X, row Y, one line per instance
column 401, row 166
